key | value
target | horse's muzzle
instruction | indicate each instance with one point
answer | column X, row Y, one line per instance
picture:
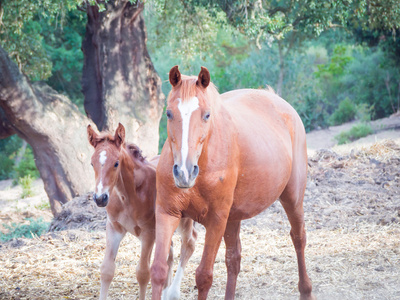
column 185, row 178
column 101, row 200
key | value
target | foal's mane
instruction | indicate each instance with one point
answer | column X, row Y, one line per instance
column 134, row 151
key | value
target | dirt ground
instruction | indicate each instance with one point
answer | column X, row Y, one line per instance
column 352, row 211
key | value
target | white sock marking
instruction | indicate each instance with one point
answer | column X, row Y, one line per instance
column 186, row 108
column 164, row 294
column 174, row 289
column 103, row 157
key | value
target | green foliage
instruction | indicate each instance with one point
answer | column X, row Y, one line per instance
column 45, row 205
column 21, row 32
column 372, row 78
column 9, row 148
column 63, row 47
column 26, row 184
column 35, row 228
column 27, row 166
column 344, row 113
column 356, row 132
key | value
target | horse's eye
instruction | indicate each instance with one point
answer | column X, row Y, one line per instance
column 206, row 116
column 169, row 115
column 116, row 164
column 91, row 164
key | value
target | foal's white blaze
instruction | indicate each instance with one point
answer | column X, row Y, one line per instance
column 103, row 157
column 99, row 189
column 186, row 108
column 102, row 160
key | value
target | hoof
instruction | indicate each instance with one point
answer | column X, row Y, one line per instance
column 308, row 297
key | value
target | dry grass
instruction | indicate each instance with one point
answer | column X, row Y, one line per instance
column 356, row 264
column 353, row 248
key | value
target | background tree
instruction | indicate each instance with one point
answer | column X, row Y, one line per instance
column 122, row 85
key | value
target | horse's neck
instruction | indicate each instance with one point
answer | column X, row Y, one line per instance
column 223, row 130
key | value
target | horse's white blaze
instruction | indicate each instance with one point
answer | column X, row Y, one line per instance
column 103, row 157
column 186, row 108
column 174, row 289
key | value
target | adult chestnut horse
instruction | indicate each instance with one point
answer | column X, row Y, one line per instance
column 126, row 186
column 227, row 158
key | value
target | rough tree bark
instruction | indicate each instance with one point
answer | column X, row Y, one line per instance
column 119, row 81
column 120, row 85
column 55, row 129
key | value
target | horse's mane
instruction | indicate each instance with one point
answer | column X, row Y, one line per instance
column 188, row 88
column 134, row 150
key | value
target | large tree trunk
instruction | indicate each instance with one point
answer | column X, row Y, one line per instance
column 119, row 81
column 120, row 85
column 55, row 129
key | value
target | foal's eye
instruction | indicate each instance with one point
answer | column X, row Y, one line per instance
column 91, row 164
column 116, row 164
column 169, row 115
column 206, row 116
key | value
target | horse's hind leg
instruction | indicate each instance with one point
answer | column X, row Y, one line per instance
column 189, row 236
column 292, row 201
column 232, row 256
column 147, row 239
column 113, row 239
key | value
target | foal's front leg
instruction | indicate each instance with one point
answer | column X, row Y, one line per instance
column 143, row 268
column 114, row 237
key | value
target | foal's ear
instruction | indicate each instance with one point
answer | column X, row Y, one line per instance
column 92, row 136
column 204, row 78
column 119, row 136
column 174, row 76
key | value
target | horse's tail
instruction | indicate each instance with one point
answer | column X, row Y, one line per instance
column 268, row 88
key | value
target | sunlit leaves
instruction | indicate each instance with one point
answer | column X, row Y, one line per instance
column 21, row 32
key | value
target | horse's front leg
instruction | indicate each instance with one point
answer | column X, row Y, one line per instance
column 143, row 268
column 165, row 227
column 114, row 237
column 232, row 256
column 204, row 273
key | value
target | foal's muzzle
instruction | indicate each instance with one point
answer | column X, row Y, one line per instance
column 185, row 177
column 101, row 200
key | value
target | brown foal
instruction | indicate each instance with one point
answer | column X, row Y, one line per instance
column 227, row 158
column 126, row 186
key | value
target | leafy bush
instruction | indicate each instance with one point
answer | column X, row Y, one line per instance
column 344, row 113
column 26, row 166
column 9, row 148
column 35, row 228
column 26, row 184
column 45, row 205
column 356, row 132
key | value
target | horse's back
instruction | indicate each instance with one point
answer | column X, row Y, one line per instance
column 271, row 138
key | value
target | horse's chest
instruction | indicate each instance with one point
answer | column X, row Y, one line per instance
column 127, row 222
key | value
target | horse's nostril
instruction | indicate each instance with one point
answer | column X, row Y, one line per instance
column 175, row 170
column 195, row 170
column 105, row 198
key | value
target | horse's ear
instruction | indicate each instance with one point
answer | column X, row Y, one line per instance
column 204, row 78
column 174, row 76
column 119, row 135
column 92, row 136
